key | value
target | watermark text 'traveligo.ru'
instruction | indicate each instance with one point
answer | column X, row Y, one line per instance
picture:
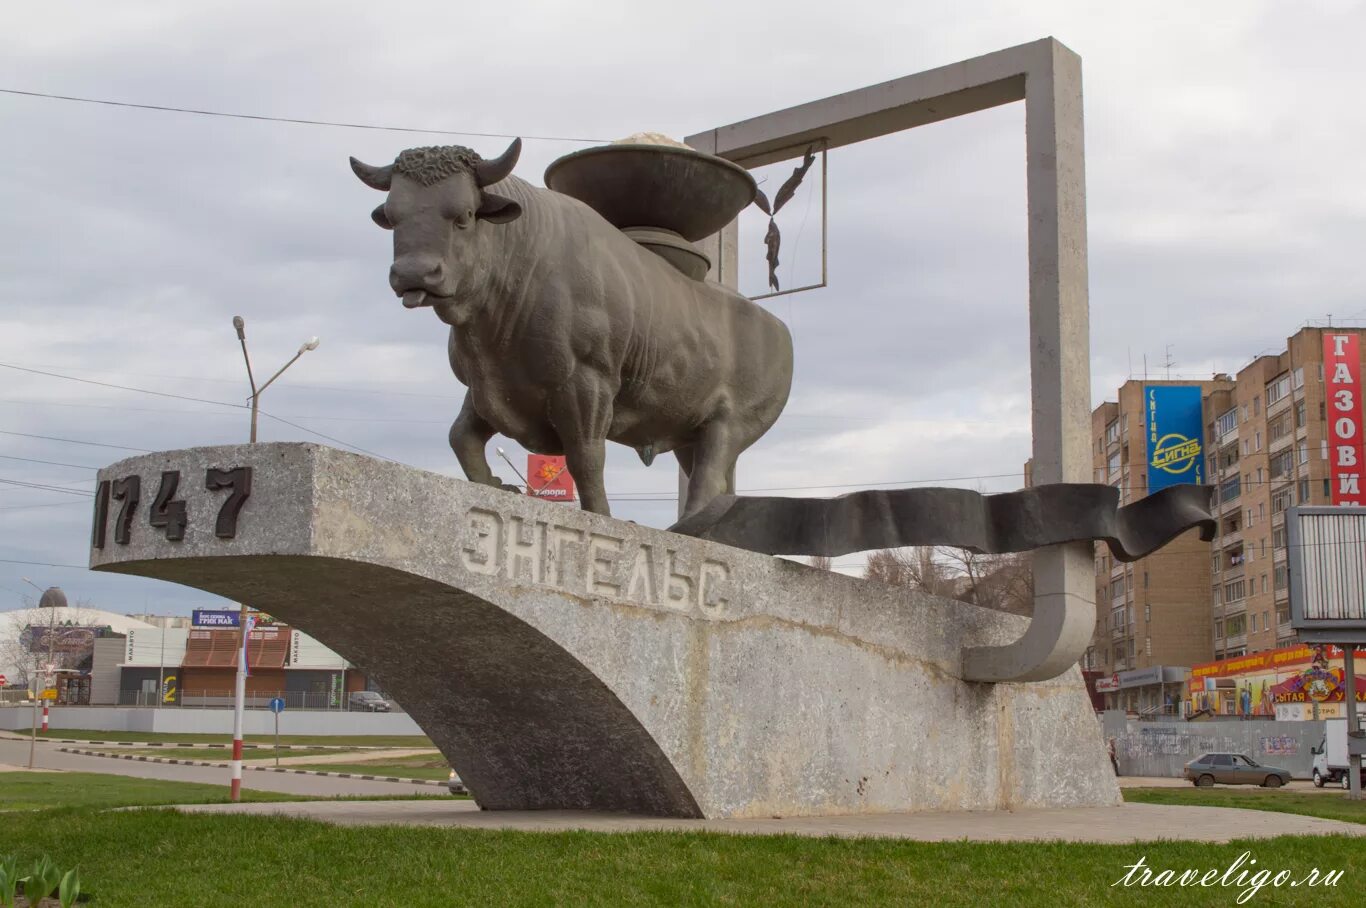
column 1242, row 875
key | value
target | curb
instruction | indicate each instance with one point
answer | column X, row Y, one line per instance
column 283, row 769
column 177, row 746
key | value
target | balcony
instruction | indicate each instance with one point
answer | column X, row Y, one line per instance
column 1234, row 537
column 1279, row 444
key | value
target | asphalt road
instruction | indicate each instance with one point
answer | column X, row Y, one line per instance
column 15, row 753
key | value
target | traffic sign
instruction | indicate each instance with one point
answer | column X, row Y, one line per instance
column 277, row 705
column 3, row 680
column 49, row 694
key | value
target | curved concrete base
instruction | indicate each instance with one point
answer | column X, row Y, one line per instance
column 566, row 660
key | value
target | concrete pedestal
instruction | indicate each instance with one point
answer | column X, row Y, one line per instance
column 563, row 660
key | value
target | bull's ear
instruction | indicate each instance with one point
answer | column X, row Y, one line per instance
column 497, row 210
column 374, row 177
column 380, row 218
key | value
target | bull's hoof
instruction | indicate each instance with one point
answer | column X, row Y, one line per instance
column 510, row 488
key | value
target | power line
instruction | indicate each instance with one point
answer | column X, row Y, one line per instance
column 77, row 567
column 42, row 487
column 73, row 441
column 201, row 400
column 295, row 120
column 51, row 463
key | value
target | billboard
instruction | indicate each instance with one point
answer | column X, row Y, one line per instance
column 204, row 617
column 548, row 477
column 1326, row 555
column 1341, row 383
column 1175, row 426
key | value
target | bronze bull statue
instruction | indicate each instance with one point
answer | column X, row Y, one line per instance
column 567, row 333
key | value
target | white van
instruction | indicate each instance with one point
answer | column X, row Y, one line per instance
column 1330, row 757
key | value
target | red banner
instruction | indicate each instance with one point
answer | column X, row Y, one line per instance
column 1341, row 386
column 548, row 477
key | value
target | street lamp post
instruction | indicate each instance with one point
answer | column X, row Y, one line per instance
column 240, row 688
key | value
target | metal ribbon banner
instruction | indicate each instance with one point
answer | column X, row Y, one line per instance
column 989, row 524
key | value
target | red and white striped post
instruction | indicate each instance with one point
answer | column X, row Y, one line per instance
column 239, row 705
column 44, row 717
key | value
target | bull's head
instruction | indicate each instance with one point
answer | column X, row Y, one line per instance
column 436, row 200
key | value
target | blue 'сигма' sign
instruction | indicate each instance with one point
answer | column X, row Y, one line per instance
column 214, row 618
column 1174, row 423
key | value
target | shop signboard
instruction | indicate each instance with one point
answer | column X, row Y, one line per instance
column 1342, row 392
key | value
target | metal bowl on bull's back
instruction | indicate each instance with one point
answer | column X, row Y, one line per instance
column 635, row 185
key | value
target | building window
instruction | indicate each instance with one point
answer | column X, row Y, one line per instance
column 1327, row 492
column 1263, row 583
column 1297, row 381
column 1218, row 628
column 1131, row 649
column 1147, row 613
column 1112, row 431
column 1302, row 452
column 1279, row 428
column 1266, row 620
column 1148, row 645
column 1278, row 537
column 1282, row 500
column 1304, row 491
column 1277, row 388
column 1236, row 625
column 1280, row 577
column 1112, row 463
column 1253, row 623
column 1234, row 591
column 1231, row 488
column 1257, row 441
column 1227, row 421
column 1117, row 588
column 1299, row 415
column 1145, row 580
column 1283, row 463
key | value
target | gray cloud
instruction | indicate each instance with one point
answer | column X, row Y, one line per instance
column 1227, row 206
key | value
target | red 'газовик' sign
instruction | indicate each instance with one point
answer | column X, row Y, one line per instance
column 1341, row 387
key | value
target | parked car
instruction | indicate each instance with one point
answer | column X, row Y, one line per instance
column 1234, row 769
column 367, row 701
column 454, row 784
column 1330, row 757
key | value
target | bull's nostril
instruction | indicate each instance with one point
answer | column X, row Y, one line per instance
column 437, row 270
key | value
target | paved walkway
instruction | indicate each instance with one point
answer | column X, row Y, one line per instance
column 1126, row 823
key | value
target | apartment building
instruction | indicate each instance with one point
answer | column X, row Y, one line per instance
column 1153, row 615
column 1267, row 450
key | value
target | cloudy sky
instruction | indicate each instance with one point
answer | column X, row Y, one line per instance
column 1227, row 206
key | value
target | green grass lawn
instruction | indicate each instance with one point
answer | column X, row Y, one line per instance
column 165, row 858
column 86, row 734
column 1314, row 804
column 43, row 790
column 416, row 766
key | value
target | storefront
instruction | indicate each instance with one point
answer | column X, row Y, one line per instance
column 1292, row 684
column 1145, row 691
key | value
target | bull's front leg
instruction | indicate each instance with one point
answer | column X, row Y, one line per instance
column 470, row 434
column 582, row 414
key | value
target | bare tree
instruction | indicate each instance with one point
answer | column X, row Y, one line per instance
column 821, row 562
column 1002, row 582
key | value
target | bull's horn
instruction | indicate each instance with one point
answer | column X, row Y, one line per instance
column 374, row 177
column 486, row 173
